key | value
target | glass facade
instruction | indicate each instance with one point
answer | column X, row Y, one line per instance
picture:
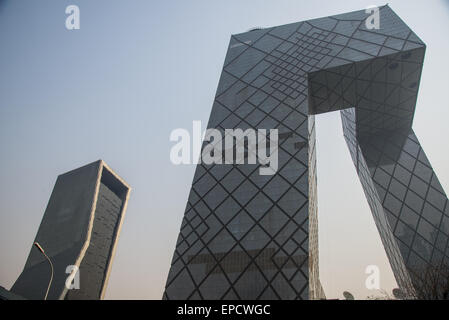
column 250, row 236
column 408, row 205
column 79, row 233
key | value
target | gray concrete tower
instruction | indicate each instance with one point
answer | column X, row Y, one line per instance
column 80, row 227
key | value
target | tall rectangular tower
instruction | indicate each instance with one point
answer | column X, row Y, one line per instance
column 80, row 228
column 251, row 236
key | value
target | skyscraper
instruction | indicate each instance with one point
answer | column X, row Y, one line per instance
column 250, row 236
column 80, row 227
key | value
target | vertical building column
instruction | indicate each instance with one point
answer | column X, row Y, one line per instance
column 408, row 203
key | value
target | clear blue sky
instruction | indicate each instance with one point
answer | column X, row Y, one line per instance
column 137, row 70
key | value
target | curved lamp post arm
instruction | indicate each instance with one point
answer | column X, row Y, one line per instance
column 38, row 246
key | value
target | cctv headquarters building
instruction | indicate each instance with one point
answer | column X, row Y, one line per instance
column 250, row 236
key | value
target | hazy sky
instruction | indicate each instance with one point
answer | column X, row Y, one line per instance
column 135, row 71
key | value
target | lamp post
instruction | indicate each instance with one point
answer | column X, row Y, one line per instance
column 38, row 246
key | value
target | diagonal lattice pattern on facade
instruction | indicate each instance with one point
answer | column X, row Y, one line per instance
column 249, row 236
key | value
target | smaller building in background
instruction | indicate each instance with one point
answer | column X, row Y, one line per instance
column 8, row 295
column 79, row 231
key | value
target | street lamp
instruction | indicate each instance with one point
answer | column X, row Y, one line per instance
column 51, row 265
